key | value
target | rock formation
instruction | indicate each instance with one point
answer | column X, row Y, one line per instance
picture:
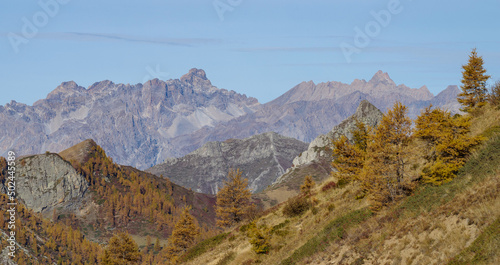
column 46, row 181
column 262, row 158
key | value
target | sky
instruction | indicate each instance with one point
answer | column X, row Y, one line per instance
column 261, row 48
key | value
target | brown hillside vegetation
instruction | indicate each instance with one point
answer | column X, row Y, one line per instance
column 120, row 198
column 453, row 223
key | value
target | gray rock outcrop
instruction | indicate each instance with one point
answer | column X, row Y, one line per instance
column 262, row 158
column 319, row 147
column 320, row 151
column 47, row 181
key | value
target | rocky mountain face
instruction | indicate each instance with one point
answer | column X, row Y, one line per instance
column 47, row 181
column 141, row 125
column 320, row 147
column 53, row 186
column 316, row 160
column 262, row 159
column 135, row 123
column 309, row 109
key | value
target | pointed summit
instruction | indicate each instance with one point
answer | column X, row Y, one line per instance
column 193, row 74
column 196, row 77
column 365, row 108
column 65, row 89
column 381, row 77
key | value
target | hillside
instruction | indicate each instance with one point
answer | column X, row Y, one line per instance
column 89, row 197
column 262, row 159
column 316, row 160
column 455, row 223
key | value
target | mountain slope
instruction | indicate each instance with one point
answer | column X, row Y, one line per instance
column 316, row 160
column 455, row 223
column 262, row 158
column 94, row 192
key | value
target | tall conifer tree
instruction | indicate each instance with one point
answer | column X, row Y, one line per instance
column 233, row 200
column 474, row 92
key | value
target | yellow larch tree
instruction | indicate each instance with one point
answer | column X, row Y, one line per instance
column 121, row 250
column 474, row 92
column 307, row 186
column 233, row 199
column 349, row 157
column 384, row 171
column 447, row 143
column 183, row 236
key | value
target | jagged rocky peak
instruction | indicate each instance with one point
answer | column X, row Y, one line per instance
column 66, row 89
column 196, row 77
column 382, row 77
column 99, row 86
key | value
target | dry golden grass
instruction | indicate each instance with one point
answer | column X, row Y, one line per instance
column 489, row 118
column 432, row 226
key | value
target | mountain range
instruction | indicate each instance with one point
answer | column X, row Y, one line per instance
column 262, row 159
column 142, row 125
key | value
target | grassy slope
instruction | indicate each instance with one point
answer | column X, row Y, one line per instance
column 456, row 223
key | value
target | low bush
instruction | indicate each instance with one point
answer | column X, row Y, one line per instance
column 296, row 206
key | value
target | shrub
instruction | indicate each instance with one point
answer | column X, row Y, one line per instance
column 296, row 206
column 259, row 238
column 328, row 186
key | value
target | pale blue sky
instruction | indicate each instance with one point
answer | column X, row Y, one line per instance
column 259, row 48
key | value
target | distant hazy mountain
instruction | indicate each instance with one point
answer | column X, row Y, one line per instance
column 308, row 110
column 143, row 124
column 262, row 159
column 134, row 122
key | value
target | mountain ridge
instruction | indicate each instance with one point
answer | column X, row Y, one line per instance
column 262, row 159
column 141, row 125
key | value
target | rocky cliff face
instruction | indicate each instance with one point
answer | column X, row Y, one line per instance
column 320, row 147
column 262, row 158
column 320, row 151
column 141, row 125
column 47, row 181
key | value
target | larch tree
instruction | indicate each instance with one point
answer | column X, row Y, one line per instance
column 384, row 171
column 233, row 199
column 474, row 92
column 349, row 157
column 307, row 186
column 121, row 249
column 447, row 143
column 183, row 236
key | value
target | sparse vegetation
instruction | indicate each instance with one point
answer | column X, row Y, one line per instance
column 336, row 229
column 204, row 246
